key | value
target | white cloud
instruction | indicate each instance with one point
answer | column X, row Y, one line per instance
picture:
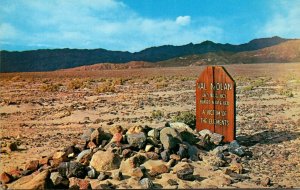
column 105, row 24
column 183, row 20
column 285, row 20
column 7, row 31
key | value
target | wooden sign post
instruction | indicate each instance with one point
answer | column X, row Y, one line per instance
column 215, row 102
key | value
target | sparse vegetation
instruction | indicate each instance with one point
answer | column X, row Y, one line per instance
column 187, row 117
column 161, row 85
column 75, row 84
column 105, row 87
column 51, row 87
column 286, row 92
column 247, row 88
column 157, row 114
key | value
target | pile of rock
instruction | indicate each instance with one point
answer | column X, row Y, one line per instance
column 139, row 155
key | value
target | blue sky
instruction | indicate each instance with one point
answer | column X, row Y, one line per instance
column 132, row 25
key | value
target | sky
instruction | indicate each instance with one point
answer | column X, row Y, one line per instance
column 133, row 25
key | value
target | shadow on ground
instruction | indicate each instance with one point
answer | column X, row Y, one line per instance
column 268, row 137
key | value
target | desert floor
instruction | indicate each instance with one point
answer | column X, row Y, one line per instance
column 45, row 112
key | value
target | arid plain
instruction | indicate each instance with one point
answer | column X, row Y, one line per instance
column 48, row 111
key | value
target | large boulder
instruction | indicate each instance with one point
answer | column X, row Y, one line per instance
column 33, row 181
column 105, row 160
column 170, row 138
column 180, row 127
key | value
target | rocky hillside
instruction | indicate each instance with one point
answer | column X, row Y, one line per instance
column 288, row 51
column 48, row 60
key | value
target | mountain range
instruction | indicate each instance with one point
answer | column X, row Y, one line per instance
column 261, row 50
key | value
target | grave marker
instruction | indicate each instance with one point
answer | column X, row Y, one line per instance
column 215, row 102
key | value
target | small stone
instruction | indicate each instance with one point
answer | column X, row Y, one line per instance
column 59, row 157
column 117, row 138
column 159, row 169
column 16, row 173
column 205, row 132
column 172, row 182
column 116, row 129
column 216, row 138
column 84, row 156
column 79, row 183
column 137, row 172
column 12, row 146
column 152, row 155
column 44, row 160
column 26, row 172
column 193, row 152
column 91, row 172
column 148, row 147
column 175, row 157
column 126, row 153
column 87, row 134
column 236, row 168
column 135, row 130
column 102, row 176
column 72, row 169
column 146, row 183
column 58, row 180
column 71, row 150
column 165, row 155
column 96, row 136
column 183, row 151
column 186, row 174
column 5, row 178
column 219, row 150
column 235, row 148
column 32, row 165
column 266, row 181
column 137, row 140
column 91, row 145
column 171, row 163
column 117, row 175
column 154, row 133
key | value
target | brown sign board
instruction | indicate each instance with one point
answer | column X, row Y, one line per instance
column 215, row 102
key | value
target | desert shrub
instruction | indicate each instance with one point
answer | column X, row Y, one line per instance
column 75, row 84
column 105, row 87
column 157, row 114
column 286, row 92
column 161, row 85
column 15, row 78
column 187, row 117
column 51, row 87
column 118, row 81
column 259, row 82
column 247, row 88
column 146, row 82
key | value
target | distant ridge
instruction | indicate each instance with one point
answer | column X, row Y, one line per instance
column 49, row 60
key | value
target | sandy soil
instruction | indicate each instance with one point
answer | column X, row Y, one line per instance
column 45, row 112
